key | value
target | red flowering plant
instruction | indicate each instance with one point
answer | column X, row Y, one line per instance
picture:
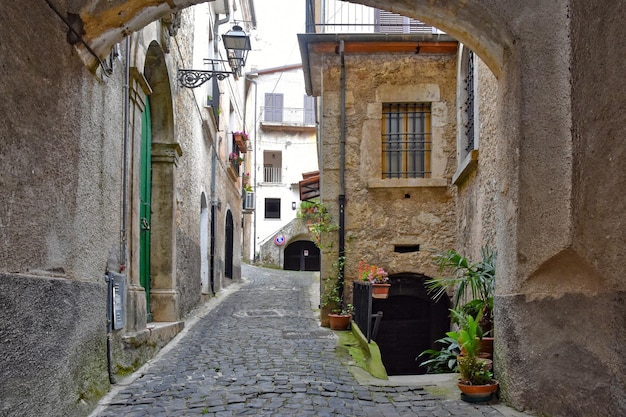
column 234, row 158
column 244, row 134
column 372, row 273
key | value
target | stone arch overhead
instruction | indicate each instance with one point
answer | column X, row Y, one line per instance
column 299, row 236
column 482, row 25
column 157, row 75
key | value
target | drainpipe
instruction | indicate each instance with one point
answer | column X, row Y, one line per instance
column 213, row 216
column 218, row 23
column 125, row 154
column 254, row 152
column 342, row 166
column 122, row 262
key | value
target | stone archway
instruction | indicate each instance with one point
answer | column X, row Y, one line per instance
column 165, row 154
column 412, row 321
column 301, row 255
column 560, row 177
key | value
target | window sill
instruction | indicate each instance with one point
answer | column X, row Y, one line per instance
column 407, row 183
column 468, row 166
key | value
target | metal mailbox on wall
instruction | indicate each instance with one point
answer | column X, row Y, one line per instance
column 118, row 283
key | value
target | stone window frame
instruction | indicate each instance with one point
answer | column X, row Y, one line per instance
column 467, row 160
column 371, row 152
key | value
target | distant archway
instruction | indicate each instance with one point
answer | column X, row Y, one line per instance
column 412, row 322
column 229, row 245
column 302, row 255
column 204, row 244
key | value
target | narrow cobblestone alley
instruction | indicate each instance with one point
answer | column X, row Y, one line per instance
column 261, row 352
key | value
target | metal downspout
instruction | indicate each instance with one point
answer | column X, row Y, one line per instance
column 254, row 230
column 213, row 216
column 342, row 168
column 122, row 261
column 125, row 154
column 218, row 22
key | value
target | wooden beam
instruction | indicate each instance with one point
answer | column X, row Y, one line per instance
column 388, row 47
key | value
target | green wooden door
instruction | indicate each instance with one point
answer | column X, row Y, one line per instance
column 146, row 199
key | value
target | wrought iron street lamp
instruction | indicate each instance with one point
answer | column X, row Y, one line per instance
column 237, row 45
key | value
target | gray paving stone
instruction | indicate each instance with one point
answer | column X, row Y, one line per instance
column 261, row 352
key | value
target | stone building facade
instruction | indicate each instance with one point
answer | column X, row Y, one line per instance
column 284, row 147
column 383, row 216
column 533, row 188
column 108, row 170
column 558, row 171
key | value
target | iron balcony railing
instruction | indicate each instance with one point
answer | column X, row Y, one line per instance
column 272, row 175
column 337, row 16
column 363, row 317
column 288, row 116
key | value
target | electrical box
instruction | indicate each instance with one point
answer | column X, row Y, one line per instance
column 248, row 202
column 118, row 284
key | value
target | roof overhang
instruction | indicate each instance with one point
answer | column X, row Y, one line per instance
column 309, row 186
column 314, row 46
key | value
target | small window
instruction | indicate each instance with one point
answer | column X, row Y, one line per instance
column 406, row 140
column 309, row 110
column 273, row 107
column 272, row 208
column 469, row 107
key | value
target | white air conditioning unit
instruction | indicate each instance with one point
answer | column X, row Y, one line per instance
column 248, row 201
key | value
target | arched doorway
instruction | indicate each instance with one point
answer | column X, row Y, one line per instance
column 302, row 255
column 145, row 210
column 228, row 245
column 204, row 244
column 164, row 155
column 412, row 321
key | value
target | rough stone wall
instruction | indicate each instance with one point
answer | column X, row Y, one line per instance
column 476, row 194
column 61, row 208
column 270, row 254
column 381, row 215
column 60, row 152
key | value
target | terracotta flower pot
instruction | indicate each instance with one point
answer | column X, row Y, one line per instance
column 477, row 393
column 380, row 291
column 339, row 321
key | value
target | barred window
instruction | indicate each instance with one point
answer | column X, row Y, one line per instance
column 406, row 140
column 469, row 104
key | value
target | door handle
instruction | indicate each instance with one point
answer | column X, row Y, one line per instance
column 144, row 224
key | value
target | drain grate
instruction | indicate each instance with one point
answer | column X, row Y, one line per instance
column 315, row 334
column 260, row 313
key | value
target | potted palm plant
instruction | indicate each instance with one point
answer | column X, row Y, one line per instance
column 476, row 382
column 473, row 284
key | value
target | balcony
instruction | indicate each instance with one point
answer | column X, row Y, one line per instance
column 336, row 16
column 288, row 119
column 272, row 175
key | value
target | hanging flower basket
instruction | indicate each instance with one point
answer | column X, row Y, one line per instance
column 377, row 277
column 240, row 140
column 235, row 159
column 380, row 291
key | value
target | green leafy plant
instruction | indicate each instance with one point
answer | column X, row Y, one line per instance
column 318, row 219
column 332, row 297
column 473, row 370
column 473, row 283
column 443, row 360
column 469, row 334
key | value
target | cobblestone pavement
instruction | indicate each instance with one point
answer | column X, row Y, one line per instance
column 261, row 352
